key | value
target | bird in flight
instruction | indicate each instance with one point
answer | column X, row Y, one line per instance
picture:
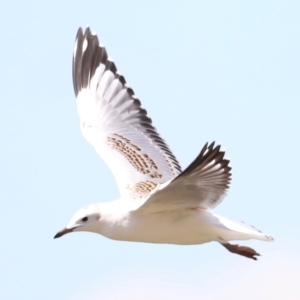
column 159, row 202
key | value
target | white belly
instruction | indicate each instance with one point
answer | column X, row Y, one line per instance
column 175, row 227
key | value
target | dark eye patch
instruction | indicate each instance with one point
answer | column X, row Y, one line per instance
column 84, row 219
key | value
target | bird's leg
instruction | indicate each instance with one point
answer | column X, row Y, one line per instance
column 241, row 250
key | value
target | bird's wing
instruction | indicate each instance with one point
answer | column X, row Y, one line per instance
column 114, row 122
column 203, row 184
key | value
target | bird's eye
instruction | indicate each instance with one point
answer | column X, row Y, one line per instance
column 84, row 219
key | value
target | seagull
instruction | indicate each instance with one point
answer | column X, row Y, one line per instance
column 159, row 203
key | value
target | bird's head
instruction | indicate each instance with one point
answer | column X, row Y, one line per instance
column 86, row 219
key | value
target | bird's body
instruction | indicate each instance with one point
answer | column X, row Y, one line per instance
column 159, row 202
column 180, row 227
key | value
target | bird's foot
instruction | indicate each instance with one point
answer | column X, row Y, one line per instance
column 241, row 250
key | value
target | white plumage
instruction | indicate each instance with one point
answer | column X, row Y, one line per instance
column 159, row 202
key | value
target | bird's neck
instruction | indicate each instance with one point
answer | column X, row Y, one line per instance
column 114, row 217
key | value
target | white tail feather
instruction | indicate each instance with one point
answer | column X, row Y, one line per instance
column 241, row 231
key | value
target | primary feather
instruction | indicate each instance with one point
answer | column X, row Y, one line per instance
column 203, row 184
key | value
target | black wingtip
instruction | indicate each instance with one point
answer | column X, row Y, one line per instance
column 88, row 55
column 207, row 155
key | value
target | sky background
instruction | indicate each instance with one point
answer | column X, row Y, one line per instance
column 227, row 71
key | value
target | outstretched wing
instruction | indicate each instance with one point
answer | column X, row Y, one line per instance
column 202, row 184
column 114, row 122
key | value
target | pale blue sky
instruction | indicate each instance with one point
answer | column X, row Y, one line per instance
column 204, row 70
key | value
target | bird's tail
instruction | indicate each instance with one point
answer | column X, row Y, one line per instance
column 239, row 230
